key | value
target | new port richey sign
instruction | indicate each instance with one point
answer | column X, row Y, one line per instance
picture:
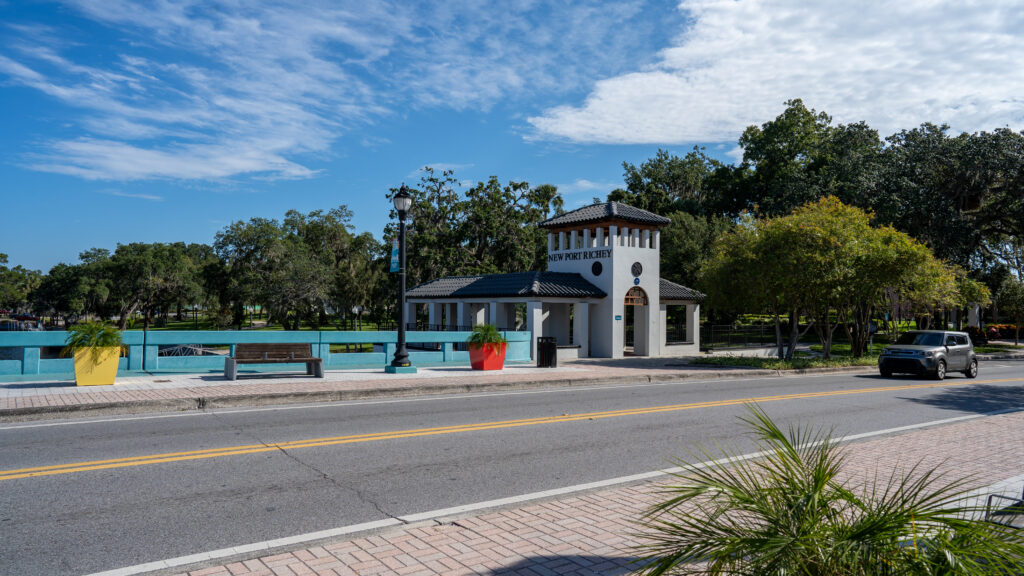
column 580, row 255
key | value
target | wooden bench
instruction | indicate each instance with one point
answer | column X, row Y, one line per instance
column 273, row 354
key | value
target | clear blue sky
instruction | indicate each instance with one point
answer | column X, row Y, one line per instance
column 166, row 120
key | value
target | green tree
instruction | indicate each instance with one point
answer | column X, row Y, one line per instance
column 245, row 249
column 1010, row 299
column 824, row 261
column 489, row 229
column 687, row 243
column 301, row 270
column 800, row 157
column 16, row 284
column 146, row 277
column 668, row 183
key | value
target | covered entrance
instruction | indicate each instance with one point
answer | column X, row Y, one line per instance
column 636, row 316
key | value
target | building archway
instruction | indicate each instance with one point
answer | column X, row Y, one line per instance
column 636, row 316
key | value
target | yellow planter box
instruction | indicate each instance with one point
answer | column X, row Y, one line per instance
column 99, row 370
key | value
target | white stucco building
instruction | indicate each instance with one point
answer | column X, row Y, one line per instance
column 602, row 296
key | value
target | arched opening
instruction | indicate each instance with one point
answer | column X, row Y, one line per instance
column 635, row 320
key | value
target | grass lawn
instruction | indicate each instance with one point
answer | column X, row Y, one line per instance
column 797, row 363
column 995, row 348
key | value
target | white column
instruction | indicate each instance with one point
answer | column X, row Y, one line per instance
column 656, row 244
column 634, row 238
column 613, row 236
column 974, row 315
column 561, row 241
column 478, row 312
column 460, row 314
column 410, row 313
column 641, row 330
column 600, row 237
column 573, row 236
column 492, row 314
column 693, row 324
column 586, row 239
column 581, row 327
column 551, row 242
column 647, row 239
column 624, row 236
column 664, row 326
column 534, row 324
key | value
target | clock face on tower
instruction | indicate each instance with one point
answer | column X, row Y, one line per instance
column 637, row 269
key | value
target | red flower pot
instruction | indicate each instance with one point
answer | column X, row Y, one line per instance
column 487, row 356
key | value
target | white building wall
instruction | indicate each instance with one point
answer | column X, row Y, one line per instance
column 556, row 322
column 616, row 278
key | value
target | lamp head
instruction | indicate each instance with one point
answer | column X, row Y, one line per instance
column 403, row 201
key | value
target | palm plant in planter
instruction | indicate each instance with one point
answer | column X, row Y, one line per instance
column 486, row 348
column 96, row 347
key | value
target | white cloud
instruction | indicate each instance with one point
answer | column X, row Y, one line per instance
column 222, row 88
column 150, row 197
column 892, row 64
column 582, row 185
column 438, row 168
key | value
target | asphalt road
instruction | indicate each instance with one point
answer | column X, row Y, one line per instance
column 356, row 462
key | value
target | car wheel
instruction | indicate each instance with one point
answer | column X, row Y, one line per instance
column 940, row 370
column 972, row 369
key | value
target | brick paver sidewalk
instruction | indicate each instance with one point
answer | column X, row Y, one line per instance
column 594, row 533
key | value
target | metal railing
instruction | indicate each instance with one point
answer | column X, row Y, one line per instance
column 728, row 336
column 143, row 349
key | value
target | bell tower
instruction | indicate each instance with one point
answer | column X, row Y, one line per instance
column 616, row 247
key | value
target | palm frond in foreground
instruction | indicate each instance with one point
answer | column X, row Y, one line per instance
column 791, row 513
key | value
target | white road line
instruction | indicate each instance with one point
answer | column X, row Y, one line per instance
column 443, row 513
column 431, row 398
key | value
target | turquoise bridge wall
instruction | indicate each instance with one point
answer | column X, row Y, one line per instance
column 143, row 349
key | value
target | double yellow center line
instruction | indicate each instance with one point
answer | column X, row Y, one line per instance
column 392, row 435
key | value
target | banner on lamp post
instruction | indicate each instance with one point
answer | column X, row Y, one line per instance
column 394, row 255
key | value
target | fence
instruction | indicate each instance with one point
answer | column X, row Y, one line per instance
column 727, row 336
column 149, row 351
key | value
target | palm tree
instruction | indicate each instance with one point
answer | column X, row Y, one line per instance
column 790, row 512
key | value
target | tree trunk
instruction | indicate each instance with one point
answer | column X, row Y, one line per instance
column 780, row 346
column 794, row 334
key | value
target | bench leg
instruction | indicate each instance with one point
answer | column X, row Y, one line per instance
column 230, row 369
column 309, row 368
column 318, row 369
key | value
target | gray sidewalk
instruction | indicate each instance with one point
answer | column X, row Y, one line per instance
column 176, row 392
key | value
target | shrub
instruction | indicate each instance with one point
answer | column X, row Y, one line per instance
column 485, row 334
column 977, row 335
column 93, row 336
column 789, row 514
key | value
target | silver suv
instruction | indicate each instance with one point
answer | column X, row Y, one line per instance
column 934, row 352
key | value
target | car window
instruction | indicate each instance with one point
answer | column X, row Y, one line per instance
column 950, row 340
column 961, row 340
column 920, row 339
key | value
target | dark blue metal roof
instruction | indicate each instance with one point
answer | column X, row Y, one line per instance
column 543, row 284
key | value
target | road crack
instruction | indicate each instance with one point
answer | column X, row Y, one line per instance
column 360, row 494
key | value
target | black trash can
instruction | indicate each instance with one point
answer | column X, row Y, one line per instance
column 547, row 352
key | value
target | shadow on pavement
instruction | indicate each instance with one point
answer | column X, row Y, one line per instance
column 980, row 398
column 16, row 386
column 577, row 565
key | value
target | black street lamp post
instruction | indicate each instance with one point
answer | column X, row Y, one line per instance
column 401, row 364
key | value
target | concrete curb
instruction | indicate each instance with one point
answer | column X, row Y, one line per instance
column 201, row 402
